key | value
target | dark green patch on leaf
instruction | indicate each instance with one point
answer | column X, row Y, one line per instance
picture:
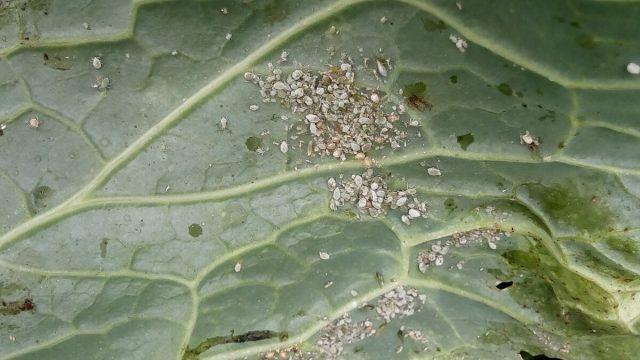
column 40, row 196
column 417, row 88
column 276, row 10
column 433, row 25
column 505, row 89
column 195, row 230
column 450, row 204
column 465, row 140
column 414, row 96
column 253, row 143
column 622, row 244
column 453, row 79
column 586, row 41
column 192, row 354
column 103, row 247
column 57, row 62
column 573, row 207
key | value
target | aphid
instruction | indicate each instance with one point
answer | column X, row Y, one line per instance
column 237, row 267
column 224, row 123
column 102, row 83
column 254, row 107
column 228, row 36
column 633, row 68
column 33, row 123
column 284, row 147
column 96, row 62
column 530, row 140
column 382, row 71
column 284, row 56
column 413, row 213
column 379, row 279
column 433, row 171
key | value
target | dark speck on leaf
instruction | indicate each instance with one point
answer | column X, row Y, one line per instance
column 195, row 230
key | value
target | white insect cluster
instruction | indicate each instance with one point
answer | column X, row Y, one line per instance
column 633, row 68
column 371, row 195
column 342, row 119
column 434, row 256
column 461, row 44
column 396, row 303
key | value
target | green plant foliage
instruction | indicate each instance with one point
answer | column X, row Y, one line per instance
column 135, row 225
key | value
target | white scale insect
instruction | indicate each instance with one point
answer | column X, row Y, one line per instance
column 96, row 62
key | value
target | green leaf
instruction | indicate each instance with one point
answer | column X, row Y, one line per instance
column 134, row 225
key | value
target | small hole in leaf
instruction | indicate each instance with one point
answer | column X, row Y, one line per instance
column 504, row 284
column 527, row 356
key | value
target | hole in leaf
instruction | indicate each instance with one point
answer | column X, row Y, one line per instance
column 527, row 356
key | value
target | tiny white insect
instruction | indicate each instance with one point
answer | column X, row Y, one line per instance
column 383, row 19
column 328, row 284
column 174, row 52
column 237, row 267
column 102, row 83
column 382, row 71
column 33, row 123
column 86, row 26
column 413, row 213
column 254, row 107
column 224, row 11
column 433, row 171
column 633, row 68
column 166, row 189
column 405, row 219
column 228, row 36
column 284, row 147
column 354, row 293
column 96, row 62
column 3, row 126
column 529, row 139
column 324, row 256
column 224, row 123
column 312, row 118
column 459, row 5
column 12, row 338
